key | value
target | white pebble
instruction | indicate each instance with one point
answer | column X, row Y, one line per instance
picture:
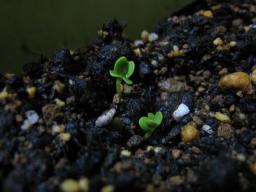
column 152, row 37
column 181, row 111
column 207, row 129
column 157, row 149
column 26, row 125
column 32, row 117
column 105, row 118
column 125, row 153
column 138, row 43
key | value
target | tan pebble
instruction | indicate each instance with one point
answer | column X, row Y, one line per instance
column 176, row 153
column 116, row 99
column 70, row 185
column 201, row 89
column 232, row 108
column 207, row 13
column 197, row 120
column 19, row 118
column 241, row 157
column 107, row 188
column 31, row 91
column 59, row 86
column 60, row 103
column 225, row 130
column 9, row 75
column 58, row 129
column 177, row 180
column 218, row 42
column 232, row 43
column 253, row 77
column 65, row 137
column 127, row 89
column 176, row 52
column 150, row 148
column 84, row 184
column 253, row 141
column 102, row 34
column 195, row 149
column 253, row 168
column 125, row 153
column 223, row 71
column 189, row 133
column 222, row 117
column 137, row 52
column 4, row 94
column 144, row 35
column 239, row 81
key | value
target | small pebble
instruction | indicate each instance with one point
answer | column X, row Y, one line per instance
column 60, row 103
column 58, row 129
column 150, row 148
column 253, row 168
column 144, row 35
column 232, row 43
column 70, row 185
column 107, row 188
column 138, row 43
column 222, row 117
column 102, row 34
column 105, row 118
column 125, row 153
column 177, row 180
column 207, row 129
column 223, row 71
column 65, row 137
column 225, row 130
column 238, row 81
column 26, row 125
column 59, row 86
column 232, row 108
column 189, row 133
column 32, row 117
column 31, row 91
column 180, row 112
column 241, row 157
column 84, row 184
column 4, row 94
column 218, row 42
column 134, row 141
column 152, row 37
column 176, row 153
column 176, row 52
column 253, row 77
column 207, row 13
column 157, row 149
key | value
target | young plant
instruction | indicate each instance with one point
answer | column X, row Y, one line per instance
column 123, row 70
column 150, row 123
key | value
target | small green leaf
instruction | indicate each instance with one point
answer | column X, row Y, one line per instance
column 151, row 116
column 143, row 124
column 150, row 123
column 128, row 81
column 114, row 74
column 158, row 117
column 131, row 68
column 121, row 66
column 123, row 70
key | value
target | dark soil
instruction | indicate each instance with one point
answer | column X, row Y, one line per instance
column 63, row 143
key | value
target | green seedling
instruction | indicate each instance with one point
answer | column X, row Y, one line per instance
column 123, row 70
column 150, row 123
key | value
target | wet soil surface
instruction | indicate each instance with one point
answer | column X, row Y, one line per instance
column 203, row 57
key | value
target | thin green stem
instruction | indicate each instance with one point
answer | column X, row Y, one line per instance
column 118, row 85
column 148, row 134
